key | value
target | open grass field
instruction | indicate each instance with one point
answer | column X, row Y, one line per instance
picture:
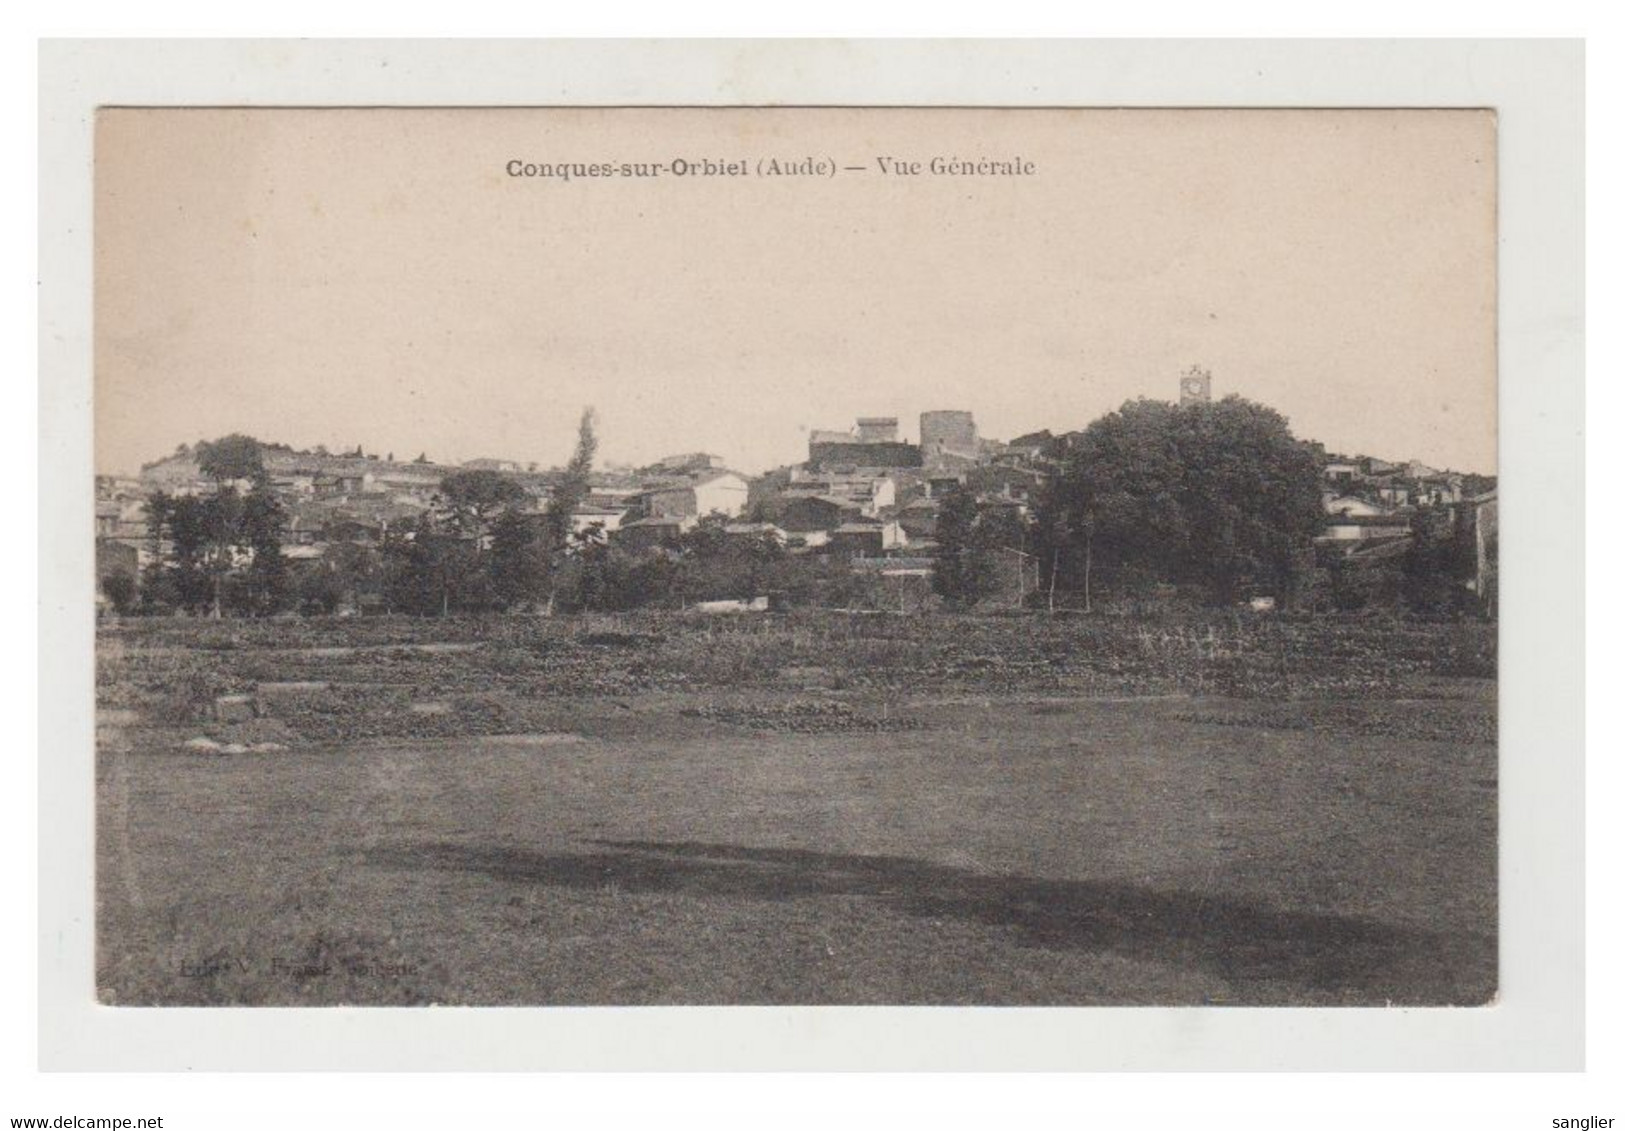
column 814, row 809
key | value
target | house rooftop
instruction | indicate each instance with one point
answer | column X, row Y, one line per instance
column 658, row 521
column 1368, row 520
column 712, row 476
column 897, row 563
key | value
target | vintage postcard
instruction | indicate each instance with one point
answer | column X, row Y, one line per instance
column 795, row 556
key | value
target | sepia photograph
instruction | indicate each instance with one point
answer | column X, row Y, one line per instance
column 694, row 556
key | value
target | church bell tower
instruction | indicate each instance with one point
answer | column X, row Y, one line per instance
column 1195, row 386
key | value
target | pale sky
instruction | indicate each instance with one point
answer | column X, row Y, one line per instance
column 375, row 277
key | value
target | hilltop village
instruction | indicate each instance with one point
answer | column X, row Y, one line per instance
column 863, row 497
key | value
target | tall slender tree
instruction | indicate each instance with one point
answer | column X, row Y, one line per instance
column 569, row 493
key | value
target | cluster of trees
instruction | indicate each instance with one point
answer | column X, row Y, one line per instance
column 1439, row 562
column 481, row 548
column 427, row 570
column 972, row 546
column 220, row 551
column 1216, row 497
column 1431, row 577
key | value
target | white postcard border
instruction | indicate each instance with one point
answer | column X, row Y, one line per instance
column 1537, row 88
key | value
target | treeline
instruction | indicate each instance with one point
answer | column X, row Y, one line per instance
column 220, row 552
column 428, row 570
column 426, row 567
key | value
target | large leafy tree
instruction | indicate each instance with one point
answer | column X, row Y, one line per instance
column 1116, row 503
column 232, row 458
column 1209, row 494
column 119, row 589
column 473, row 507
column 471, row 501
column 157, row 585
column 1250, row 496
column 338, row 577
column 599, row 576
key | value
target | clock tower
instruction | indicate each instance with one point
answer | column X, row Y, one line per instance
column 1195, row 386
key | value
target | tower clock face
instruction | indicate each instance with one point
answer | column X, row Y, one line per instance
column 1193, row 386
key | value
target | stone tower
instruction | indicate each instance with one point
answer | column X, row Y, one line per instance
column 947, row 432
column 1195, row 386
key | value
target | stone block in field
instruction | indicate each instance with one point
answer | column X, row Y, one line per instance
column 234, row 708
column 294, row 688
column 291, row 693
column 530, row 741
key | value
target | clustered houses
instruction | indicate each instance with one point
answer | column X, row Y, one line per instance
column 355, row 498
column 865, row 494
column 862, row 494
column 1367, row 498
column 121, row 526
column 329, row 499
column 1371, row 505
column 670, row 497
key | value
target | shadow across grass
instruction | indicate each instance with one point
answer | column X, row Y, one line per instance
column 1267, row 955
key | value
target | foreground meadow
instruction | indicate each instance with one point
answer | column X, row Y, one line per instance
column 811, row 809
